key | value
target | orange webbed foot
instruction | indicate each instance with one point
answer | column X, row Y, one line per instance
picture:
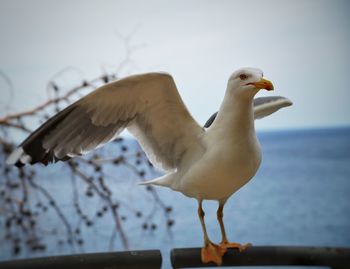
column 213, row 253
column 240, row 247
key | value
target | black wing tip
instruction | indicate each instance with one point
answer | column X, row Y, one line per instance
column 31, row 150
column 46, row 160
column 19, row 164
column 22, row 156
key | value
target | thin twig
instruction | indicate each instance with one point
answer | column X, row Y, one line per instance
column 54, row 205
column 49, row 102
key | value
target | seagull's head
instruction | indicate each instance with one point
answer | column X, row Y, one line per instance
column 247, row 82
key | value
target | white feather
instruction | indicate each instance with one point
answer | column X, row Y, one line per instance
column 16, row 155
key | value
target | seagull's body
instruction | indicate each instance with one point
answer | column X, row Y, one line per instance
column 206, row 164
column 224, row 163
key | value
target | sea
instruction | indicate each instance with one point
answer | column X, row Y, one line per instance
column 299, row 197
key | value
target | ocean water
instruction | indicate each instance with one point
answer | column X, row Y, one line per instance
column 299, row 197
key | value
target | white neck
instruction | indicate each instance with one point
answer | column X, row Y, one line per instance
column 236, row 115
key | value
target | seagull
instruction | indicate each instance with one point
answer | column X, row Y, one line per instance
column 205, row 163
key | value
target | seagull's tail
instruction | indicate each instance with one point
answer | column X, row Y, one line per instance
column 165, row 181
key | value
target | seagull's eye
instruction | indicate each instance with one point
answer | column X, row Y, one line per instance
column 243, row 76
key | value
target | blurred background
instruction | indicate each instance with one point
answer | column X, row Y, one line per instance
column 53, row 52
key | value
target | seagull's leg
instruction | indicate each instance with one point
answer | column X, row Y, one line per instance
column 210, row 252
column 224, row 242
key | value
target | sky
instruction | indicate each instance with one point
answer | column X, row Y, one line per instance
column 303, row 47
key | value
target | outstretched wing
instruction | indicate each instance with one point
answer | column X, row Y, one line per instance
column 263, row 106
column 149, row 105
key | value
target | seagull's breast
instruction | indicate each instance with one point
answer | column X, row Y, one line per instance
column 225, row 167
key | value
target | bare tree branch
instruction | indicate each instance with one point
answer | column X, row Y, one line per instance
column 24, row 201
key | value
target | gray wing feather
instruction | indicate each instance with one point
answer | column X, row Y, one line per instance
column 210, row 120
column 149, row 105
column 263, row 106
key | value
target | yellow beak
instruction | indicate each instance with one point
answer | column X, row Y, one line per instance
column 263, row 84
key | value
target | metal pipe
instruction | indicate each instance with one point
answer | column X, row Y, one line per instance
column 150, row 259
column 336, row 258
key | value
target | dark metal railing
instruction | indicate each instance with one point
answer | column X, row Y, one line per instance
column 335, row 258
column 150, row 259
